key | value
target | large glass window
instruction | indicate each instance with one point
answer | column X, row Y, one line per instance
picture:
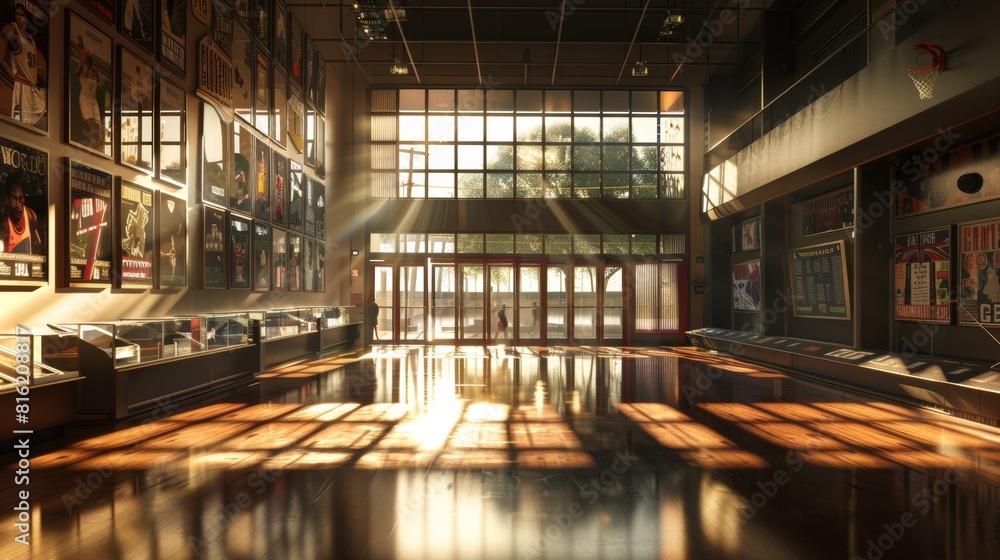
column 529, row 143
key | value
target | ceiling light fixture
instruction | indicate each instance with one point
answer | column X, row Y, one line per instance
column 399, row 69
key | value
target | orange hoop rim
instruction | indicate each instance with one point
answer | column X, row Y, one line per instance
column 938, row 58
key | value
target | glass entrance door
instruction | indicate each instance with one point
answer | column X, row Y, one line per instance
column 530, row 326
column 382, row 291
column 472, row 325
column 412, row 304
column 501, row 302
column 444, row 296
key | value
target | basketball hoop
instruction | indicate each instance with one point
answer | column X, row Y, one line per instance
column 925, row 75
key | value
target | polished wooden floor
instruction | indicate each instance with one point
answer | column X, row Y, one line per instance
column 475, row 452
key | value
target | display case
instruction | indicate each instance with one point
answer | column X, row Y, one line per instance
column 277, row 323
column 43, row 354
column 330, row 317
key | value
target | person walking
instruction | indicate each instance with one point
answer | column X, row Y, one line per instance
column 502, row 321
column 534, row 318
column 373, row 317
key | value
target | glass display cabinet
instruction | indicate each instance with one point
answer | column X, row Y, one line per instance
column 277, row 323
column 42, row 355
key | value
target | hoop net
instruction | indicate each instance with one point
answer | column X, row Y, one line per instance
column 924, row 79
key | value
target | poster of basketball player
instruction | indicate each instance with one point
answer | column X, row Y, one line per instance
column 279, row 260
column 89, row 226
column 279, row 194
column 239, row 252
column 214, row 273
column 134, row 239
column 135, row 21
column 24, row 55
column 261, row 256
column 24, row 214
column 240, row 197
column 135, row 112
column 296, row 202
column 173, row 34
column 171, row 224
column 262, row 182
column 91, row 89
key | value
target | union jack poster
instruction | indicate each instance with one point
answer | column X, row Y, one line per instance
column 923, row 276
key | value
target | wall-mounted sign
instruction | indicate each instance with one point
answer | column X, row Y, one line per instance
column 828, row 212
column 819, row 281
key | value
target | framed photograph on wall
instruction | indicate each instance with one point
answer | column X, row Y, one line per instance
column 173, row 35
column 91, row 88
column 279, row 260
column 135, row 21
column 279, row 107
column 135, row 112
column 296, row 200
column 279, row 194
column 24, row 89
column 261, row 256
column 923, row 276
column 90, row 226
column 296, row 120
column 279, row 46
column 240, row 197
column 134, row 235
column 171, row 243
column 216, row 141
column 748, row 234
column 171, row 122
column 262, row 182
column 239, row 249
column 293, row 268
column 262, row 94
column 214, row 227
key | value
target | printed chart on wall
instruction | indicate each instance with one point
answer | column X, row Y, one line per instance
column 923, row 276
column 24, row 214
column 819, row 281
column 979, row 301
column 746, row 286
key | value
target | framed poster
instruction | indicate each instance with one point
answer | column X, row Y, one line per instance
column 262, row 182
column 171, row 243
column 91, row 89
column 293, row 268
column 979, row 296
column 320, row 266
column 244, row 66
column 134, row 235
column 279, row 260
column 319, row 207
column 320, row 83
column 746, row 286
column 923, row 276
column 309, row 265
column 748, row 234
column 279, row 47
column 309, row 141
column 309, row 80
column 819, row 281
column 279, row 194
column 135, row 112
column 261, row 256
column 296, row 120
column 136, row 22
column 828, row 212
column 239, row 249
column 215, row 150
column 262, row 94
column 318, row 145
column 260, row 21
column 202, row 10
column 171, row 141
column 310, row 202
column 296, row 202
column 214, row 271
column 104, row 8
column 173, row 35
column 279, row 108
column 928, row 185
column 239, row 190
column 90, row 219
column 295, row 61
column 24, row 89
column 24, row 216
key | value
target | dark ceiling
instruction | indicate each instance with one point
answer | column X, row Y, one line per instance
column 537, row 42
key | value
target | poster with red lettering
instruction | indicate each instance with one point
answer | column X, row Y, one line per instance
column 134, row 236
column 24, row 214
column 923, row 276
column 979, row 290
column 828, row 212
